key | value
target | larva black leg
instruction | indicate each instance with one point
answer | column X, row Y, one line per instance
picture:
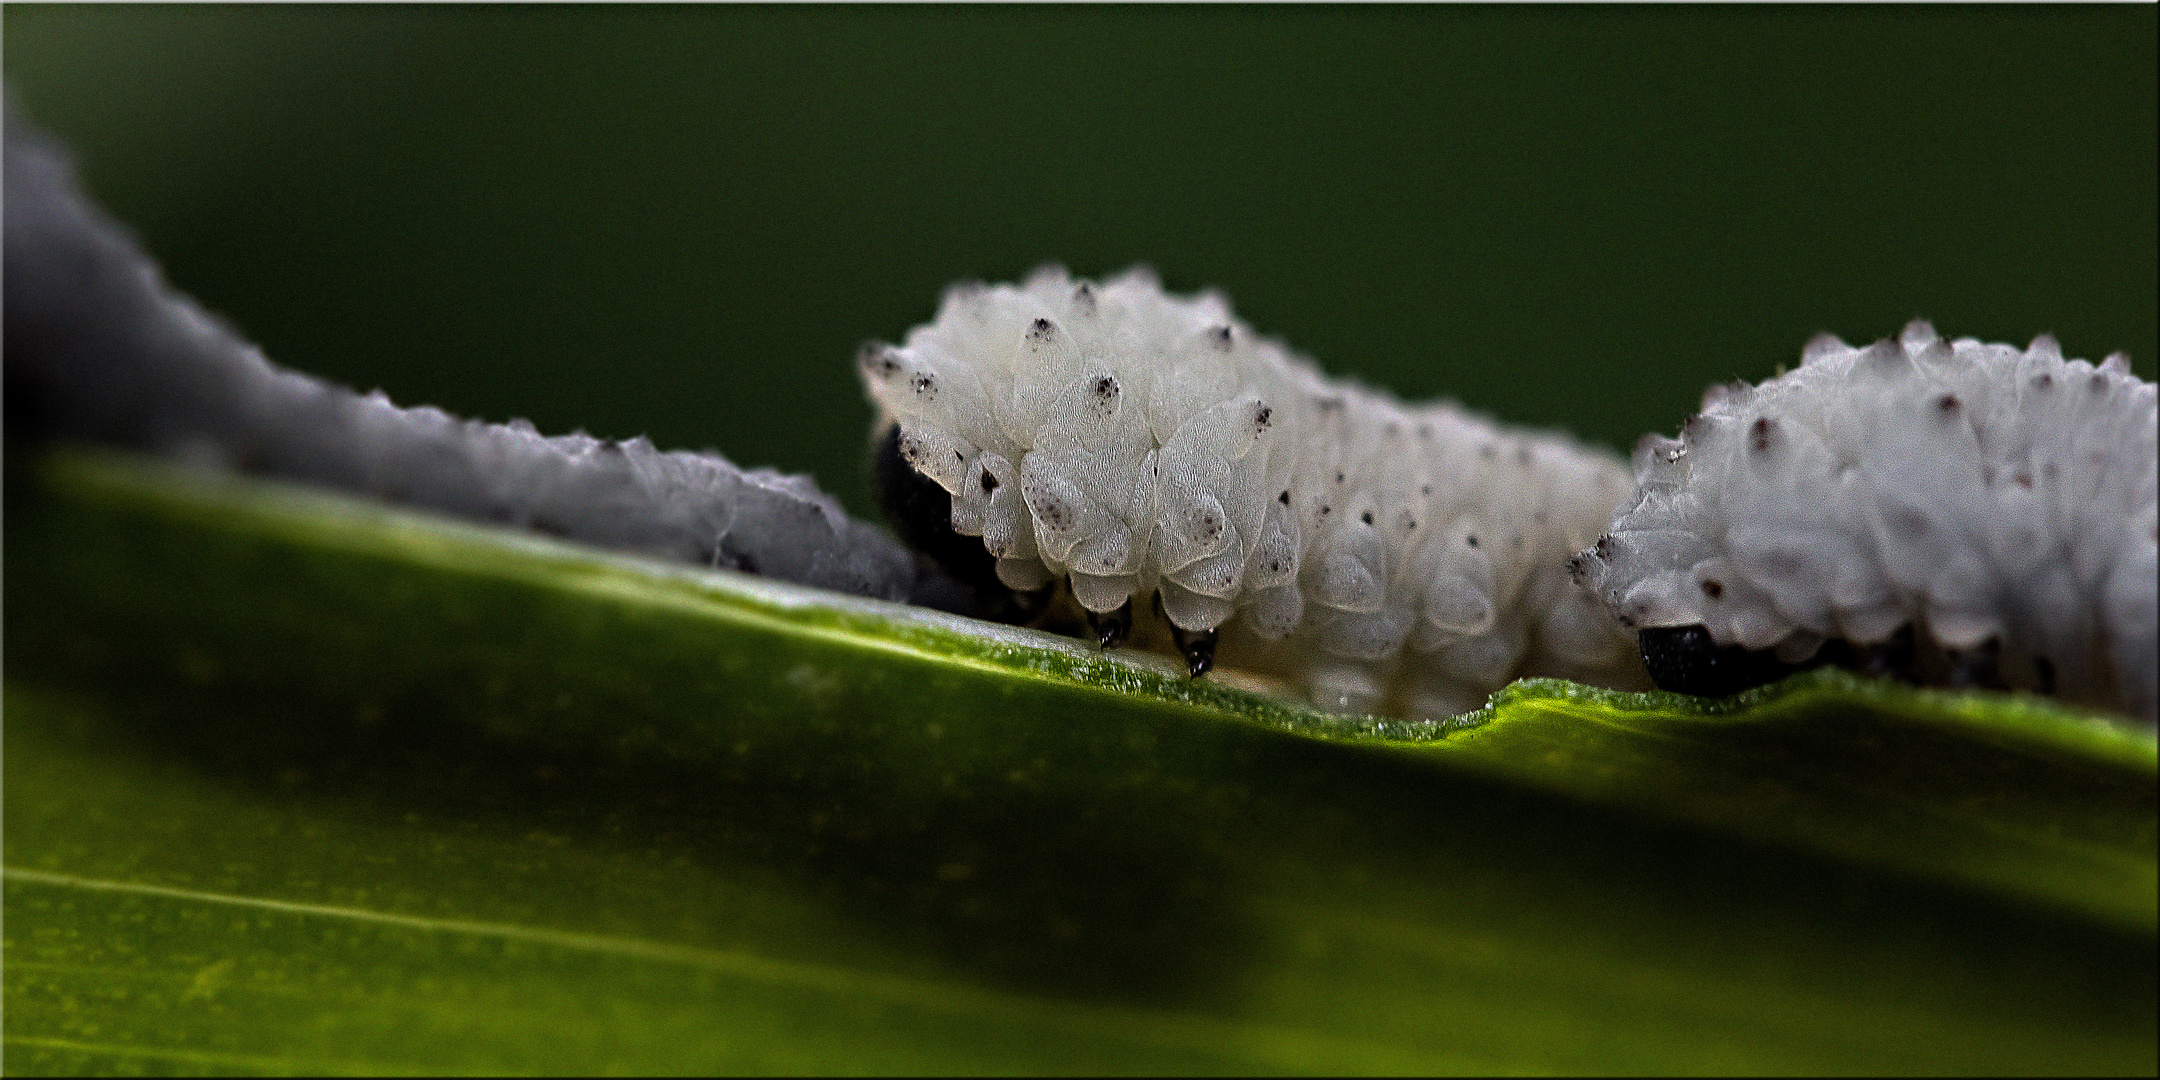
column 1198, row 648
column 1111, row 628
column 1028, row 606
column 1980, row 666
column 1896, row 657
column 1684, row 659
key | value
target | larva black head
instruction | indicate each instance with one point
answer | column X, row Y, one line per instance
column 1684, row 660
column 921, row 512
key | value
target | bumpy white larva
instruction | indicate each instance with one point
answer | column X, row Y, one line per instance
column 1386, row 557
column 1963, row 512
column 101, row 349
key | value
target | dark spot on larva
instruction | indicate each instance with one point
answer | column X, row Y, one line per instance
column 2023, row 480
column 1325, row 509
column 1366, row 517
column 1987, row 476
column 1409, row 523
column 1948, row 404
column 925, row 386
column 1540, row 517
column 1220, row 338
column 1488, row 452
column 1713, row 589
column 2044, row 674
column 958, row 456
column 1425, row 489
column 989, row 482
column 1262, row 417
column 1765, row 430
column 2099, row 383
column 2043, row 381
column 1106, row 388
column 1209, row 528
column 1471, row 539
column 1277, row 566
column 2050, row 471
column 1283, row 498
column 1327, row 403
column 1338, row 478
column 1424, row 431
column 877, row 358
column 1522, row 455
column 1603, row 548
column 1515, row 540
column 1041, row 331
column 1084, row 299
column 1392, row 428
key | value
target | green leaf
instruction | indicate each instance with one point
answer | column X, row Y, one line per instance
column 296, row 783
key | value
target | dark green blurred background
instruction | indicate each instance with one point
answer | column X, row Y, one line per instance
column 681, row 221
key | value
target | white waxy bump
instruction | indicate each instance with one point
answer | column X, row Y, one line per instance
column 1141, row 444
column 1995, row 502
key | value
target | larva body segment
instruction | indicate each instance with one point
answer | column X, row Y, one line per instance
column 1136, row 444
column 1950, row 511
column 101, row 349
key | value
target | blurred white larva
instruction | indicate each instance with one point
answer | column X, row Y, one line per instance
column 1406, row 559
column 1951, row 512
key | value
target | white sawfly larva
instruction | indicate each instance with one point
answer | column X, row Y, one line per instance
column 101, row 349
column 1127, row 442
column 1951, row 512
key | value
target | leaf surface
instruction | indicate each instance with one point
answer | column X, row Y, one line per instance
column 297, row 783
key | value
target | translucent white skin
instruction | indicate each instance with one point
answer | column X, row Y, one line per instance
column 1385, row 557
column 1972, row 491
column 110, row 353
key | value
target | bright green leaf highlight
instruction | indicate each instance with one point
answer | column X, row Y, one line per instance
column 299, row 784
